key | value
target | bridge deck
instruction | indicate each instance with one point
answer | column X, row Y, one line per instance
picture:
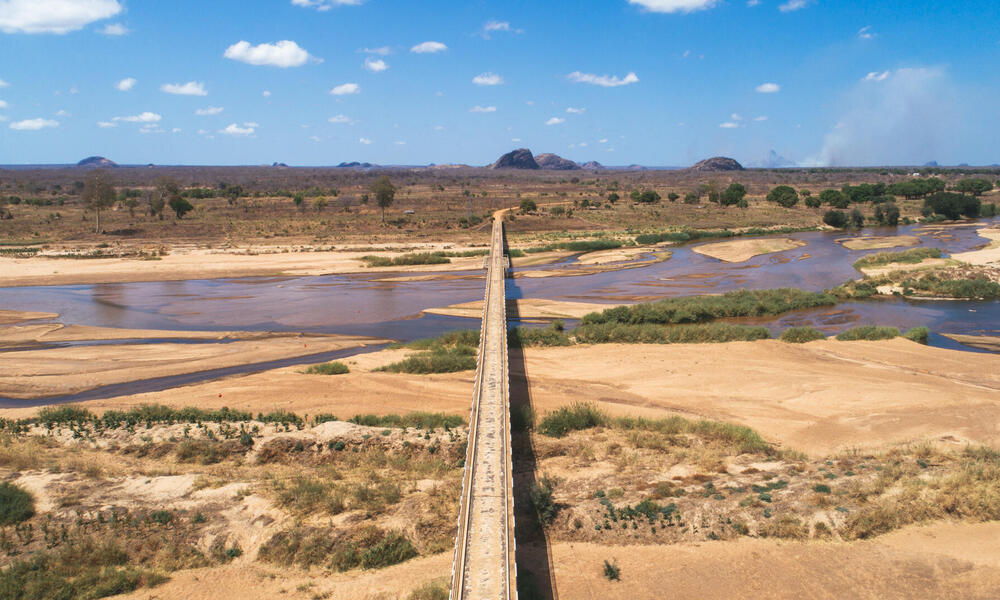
column 484, row 547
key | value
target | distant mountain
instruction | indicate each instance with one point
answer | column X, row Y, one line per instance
column 592, row 165
column 355, row 165
column 717, row 163
column 635, row 168
column 279, row 164
column 775, row 161
column 932, row 163
column 96, row 161
column 556, row 163
column 516, row 159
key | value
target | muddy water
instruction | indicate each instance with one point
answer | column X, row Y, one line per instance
column 358, row 305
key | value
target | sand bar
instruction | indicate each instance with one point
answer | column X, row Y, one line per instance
column 878, row 242
column 743, row 250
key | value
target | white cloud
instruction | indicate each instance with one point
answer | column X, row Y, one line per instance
column 234, row 129
column 866, row 32
column 375, row 65
column 767, row 88
column 345, row 89
column 575, row 111
column 126, row 84
column 53, row 16
column 729, row 125
column 792, row 5
column 3, row 83
column 483, row 109
column 59, row 113
column 674, row 6
column 3, row 104
column 325, row 5
column 106, row 124
column 340, row 119
column 191, row 88
column 146, row 117
column 602, row 141
column 175, row 130
column 555, row 121
column 315, row 138
column 208, row 110
column 381, row 50
column 582, row 144
column 752, row 3
column 33, row 124
column 283, row 54
column 74, row 90
column 400, row 143
column 151, row 129
column 487, row 79
column 365, row 141
column 876, row 76
column 760, row 118
column 114, row 29
column 428, row 48
column 602, row 80
column 266, row 93
column 495, row 26
column 736, row 117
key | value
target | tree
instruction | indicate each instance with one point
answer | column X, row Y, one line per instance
column 833, row 198
column 384, row 193
column 98, row 194
column 783, row 195
column 613, row 197
column 887, row 214
column 156, row 204
column 673, row 196
column 319, row 204
column 857, row 219
column 169, row 192
column 976, row 187
column 835, row 218
column 951, row 205
column 180, row 206
column 649, row 197
column 298, row 199
column 528, row 206
column 812, row 201
column 131, row 204
column 733, row 194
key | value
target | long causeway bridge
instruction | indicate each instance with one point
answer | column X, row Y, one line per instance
column 484, row 565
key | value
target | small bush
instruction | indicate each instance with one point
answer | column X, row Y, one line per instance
column 801, row 335
column 542, row 500
column 868, row 332
column 330, row 368
column 16, row 504
column 571, row 418
column 918, row 335
column 821, row 488
column 420, row 258
column 611, row 571
column 911, row 256
column 432, row 590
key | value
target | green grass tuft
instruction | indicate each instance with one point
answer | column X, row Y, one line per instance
column 801, row 335
column 330, row 368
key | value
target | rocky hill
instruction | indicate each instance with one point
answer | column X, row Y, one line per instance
column 96, row 161
column 717, row 163
column 556, row 163
column 592, row 165
column 516, row 159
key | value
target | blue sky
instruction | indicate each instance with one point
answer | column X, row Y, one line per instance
column 655, row 82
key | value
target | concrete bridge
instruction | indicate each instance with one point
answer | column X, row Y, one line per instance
column 484, row 565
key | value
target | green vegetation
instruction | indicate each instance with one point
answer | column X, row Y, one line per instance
column 432, row 590
column 836, row 218
column 330, row 368
column 911, row 256
column 585, row 416
column 418, row 258
column 784, row 195
column 542, row 500
column 698, row 309
column 16, row 504
column 418, row 420
column 801, row 335
column 868, row 332
column 648, row 333
column 365, row 547
column 451, row 352
column 980, row 288
column 522, row 337
column 951, row 206
column 84, row 570
column 576, row 246
column 611, row 571
column 528, row 206
column 918, row 335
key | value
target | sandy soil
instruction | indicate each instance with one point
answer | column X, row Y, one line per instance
column 878, row 242
column 943, row 560
column 199, row 263
column 927, row 263
column 17, row 316
column 986, row 256
column 63, row 370
column 818, row 398
column 743, row 250
column 57, row 332
column 527, row 308
column 604, row 257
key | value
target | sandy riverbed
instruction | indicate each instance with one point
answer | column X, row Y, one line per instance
column 526, row 308
column 879, row 242
column 985, row 256
column 744, row 250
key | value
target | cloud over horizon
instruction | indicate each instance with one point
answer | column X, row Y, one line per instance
column 602, row 80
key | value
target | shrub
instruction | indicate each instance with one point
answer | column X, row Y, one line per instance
column 787, row 527
column 801, row 335
column 542, row 500
column 16, row 504
column 951, row 206
column 611, row 571
column 918, row 335
column 698, row 309
column 911, row 256
column 571, row 418
column 421, row 258
column 783, row 195
column 528, row 206
column 821, row 488
column 868, row 332
column 330, row 368
column 522, row 337
column 439, row 360
column 432, row 590
column 648, row 333
column 835, row 218
column 417, row 419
